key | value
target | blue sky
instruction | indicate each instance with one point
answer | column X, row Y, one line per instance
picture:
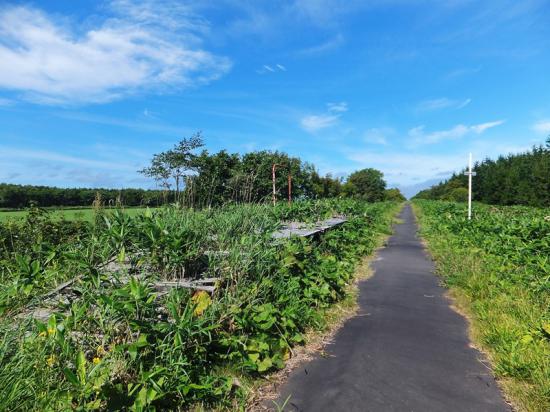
column 89, row 90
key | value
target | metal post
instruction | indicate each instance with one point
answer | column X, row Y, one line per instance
column 273, row 177
column 289, row 188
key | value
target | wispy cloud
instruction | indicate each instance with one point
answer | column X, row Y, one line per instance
column 9, row 153
column 542, row 127
column 314, row 123
column 128, row 51
column 337, row 107
column 464, row 71
column 152, row 126
column 267, row 68
column 442, row 103
column 480, row 128
column 325, row 47
column 420, row 136
column 378, row 135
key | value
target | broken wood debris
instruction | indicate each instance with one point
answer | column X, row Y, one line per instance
column 207, row 284
column 288, row 230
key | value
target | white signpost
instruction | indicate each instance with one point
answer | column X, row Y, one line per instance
column 469, row 173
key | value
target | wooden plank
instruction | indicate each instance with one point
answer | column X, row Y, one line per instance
column 301, row 229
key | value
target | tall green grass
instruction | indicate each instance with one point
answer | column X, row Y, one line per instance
column 498, row 266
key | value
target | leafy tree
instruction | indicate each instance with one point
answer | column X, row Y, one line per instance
column 325, row 186
column 394, row 195
column 458, row 194
column 368, row 184
column 176, row 163
column 211, row 186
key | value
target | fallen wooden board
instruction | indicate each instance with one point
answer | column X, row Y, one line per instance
column 300, row 229
column 199, row 284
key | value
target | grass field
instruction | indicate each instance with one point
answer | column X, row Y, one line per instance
column 84, row 214
column 498, row 269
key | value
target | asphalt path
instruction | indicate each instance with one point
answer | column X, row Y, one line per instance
column 406, row 350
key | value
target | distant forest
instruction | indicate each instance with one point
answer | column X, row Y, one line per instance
column 205, row 180
column 20, row 196
column 516, row 179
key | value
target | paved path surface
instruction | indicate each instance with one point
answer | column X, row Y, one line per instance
column 407, row 350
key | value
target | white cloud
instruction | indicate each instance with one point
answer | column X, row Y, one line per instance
column 313, row 123
column 542, row 127
column 54, row 63
column 405, row 168
column 480, row 128
column 419, row 135
column 337, row 107
column 442, row 103
column 281, row 67
column 464, row 103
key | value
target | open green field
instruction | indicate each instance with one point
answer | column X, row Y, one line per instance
column 85, row 214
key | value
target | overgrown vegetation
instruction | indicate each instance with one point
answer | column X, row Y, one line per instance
column 498, row 266
column 519, row 179
column 117, row 342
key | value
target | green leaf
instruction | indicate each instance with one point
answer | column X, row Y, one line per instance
column 142, row 341
column 254, row 357
column 526, row 339
column 265, row 365
column 121, row 255
column 96, row 404
column 71, row 377
column 132, row 351
column 81, row 367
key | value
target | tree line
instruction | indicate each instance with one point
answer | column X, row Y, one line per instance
column 20, row 196
column 191, row 176
column 515, row 179
column 204, row 179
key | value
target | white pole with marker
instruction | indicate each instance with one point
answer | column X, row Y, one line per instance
column 469, row 173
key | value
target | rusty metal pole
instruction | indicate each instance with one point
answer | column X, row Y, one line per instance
column 289, row 187
column 273, row 177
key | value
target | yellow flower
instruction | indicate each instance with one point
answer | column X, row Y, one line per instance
column 51, row 360
column 42, row 334
column 51, row 331
column 96, row 360
column 100, row 350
